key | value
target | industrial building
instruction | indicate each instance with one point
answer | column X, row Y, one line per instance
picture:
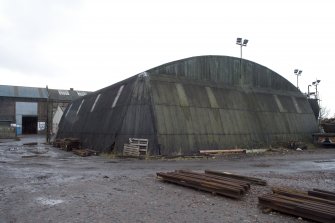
column 28, row 110
column 205, row 102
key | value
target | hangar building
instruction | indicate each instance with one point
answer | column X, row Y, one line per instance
column 204, row 102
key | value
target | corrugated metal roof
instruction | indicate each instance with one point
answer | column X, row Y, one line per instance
column 35, row 92
column 65, row 95
column 22, row 92
column 196, row 103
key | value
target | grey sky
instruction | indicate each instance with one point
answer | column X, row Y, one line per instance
column 88, row 45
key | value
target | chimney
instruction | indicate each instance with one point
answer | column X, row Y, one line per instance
column 71, row 89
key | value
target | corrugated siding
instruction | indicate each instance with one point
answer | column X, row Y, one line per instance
column 239, row 117
column 109, row 126
column 23, row 92
column 197, row 103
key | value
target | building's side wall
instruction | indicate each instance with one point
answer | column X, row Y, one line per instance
column 105, row 120
column 197, row 115
column 7, row 117
column 7, row 111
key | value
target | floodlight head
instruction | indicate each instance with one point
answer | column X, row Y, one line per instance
column 296, row 71
column 313, row 82
column 238, row 40
column 245, row 41
column 318, row 81
column 300, row 71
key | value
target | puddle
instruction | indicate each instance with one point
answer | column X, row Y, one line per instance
column 326, row 164
column 324, row 161
column 50, row 202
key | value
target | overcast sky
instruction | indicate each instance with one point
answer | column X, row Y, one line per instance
column 89, row 45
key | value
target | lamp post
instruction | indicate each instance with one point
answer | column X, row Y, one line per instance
column 298, row 73
column 242, row 43
column 316, row 83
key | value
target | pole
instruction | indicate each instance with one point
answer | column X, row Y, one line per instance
column 47, row 121
column 241, row 62
column 297, row 81
column 241, row 51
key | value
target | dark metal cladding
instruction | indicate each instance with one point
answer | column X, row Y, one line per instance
column 206, row 102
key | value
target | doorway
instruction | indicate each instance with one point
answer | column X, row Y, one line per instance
column 29, row 124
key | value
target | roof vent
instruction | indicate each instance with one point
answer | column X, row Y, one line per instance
column 71, row 89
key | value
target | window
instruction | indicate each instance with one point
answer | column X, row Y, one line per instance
column 81, row 93
column 63, row 92
column 117, row 96
column 95, row 102
column 68, row 110
column 82, row 101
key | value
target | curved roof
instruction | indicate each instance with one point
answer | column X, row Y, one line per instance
column 205, row 102
column 225, row 70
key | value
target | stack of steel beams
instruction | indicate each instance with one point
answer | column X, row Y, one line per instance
column 300, row 203
column 222, row 185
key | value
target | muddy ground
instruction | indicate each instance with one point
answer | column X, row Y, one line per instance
column 40, row 183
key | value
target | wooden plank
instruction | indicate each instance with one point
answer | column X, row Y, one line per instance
column 252, row 180
column 314, row 211
column 202, row 185
column 136, row 141
column 214, row 178
column 301, row 195
column 222, row 151
column 323, row 195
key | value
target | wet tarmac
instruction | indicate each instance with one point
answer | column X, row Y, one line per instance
column 40, row 183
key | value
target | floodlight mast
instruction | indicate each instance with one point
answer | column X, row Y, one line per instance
column 241, row 42
column 316, row 83
column 298, row 73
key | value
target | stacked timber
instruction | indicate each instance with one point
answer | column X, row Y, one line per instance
column 251, row 180
column 217, row 152
column 74, row 145
column 68, row 144
column 85, row 152
column 302, row 204
column 221, row 185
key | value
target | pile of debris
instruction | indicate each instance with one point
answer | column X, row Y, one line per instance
column 229, row 185
column 317, row 205
column 74, row 145
column 328, row 125
column 296, row 145
column 67, row 144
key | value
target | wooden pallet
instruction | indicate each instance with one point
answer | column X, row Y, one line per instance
column 131, row 150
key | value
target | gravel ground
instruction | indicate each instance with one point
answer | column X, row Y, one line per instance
column 44, row 184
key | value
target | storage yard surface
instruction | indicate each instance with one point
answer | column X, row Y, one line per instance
column 40, row 183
